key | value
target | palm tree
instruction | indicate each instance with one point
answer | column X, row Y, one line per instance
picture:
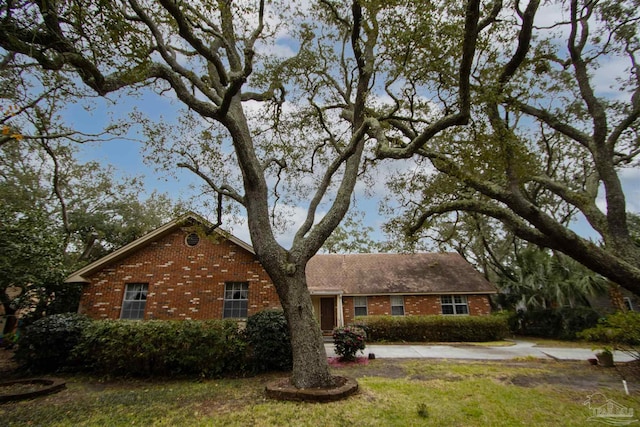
column 543, row 279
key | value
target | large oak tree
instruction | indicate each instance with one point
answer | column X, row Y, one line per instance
column 554, row 124
column 349, row 84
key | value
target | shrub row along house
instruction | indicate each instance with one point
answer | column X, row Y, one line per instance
column 185, row 270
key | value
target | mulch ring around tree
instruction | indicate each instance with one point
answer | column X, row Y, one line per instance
column 283, row 389
column 337, row 362
column 23, row 388
column 29, row 388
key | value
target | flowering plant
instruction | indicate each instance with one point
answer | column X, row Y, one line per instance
column 348, row 340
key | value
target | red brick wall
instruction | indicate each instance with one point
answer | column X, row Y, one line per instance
column 479, row 305
column 414, row 305
column 184, row 282
column 188, row 283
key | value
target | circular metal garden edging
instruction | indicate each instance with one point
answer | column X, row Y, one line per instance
column 49, row 386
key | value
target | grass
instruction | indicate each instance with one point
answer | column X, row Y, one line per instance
column 548, row 342
column 392, row 393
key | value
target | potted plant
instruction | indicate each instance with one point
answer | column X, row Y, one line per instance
column 605, row 357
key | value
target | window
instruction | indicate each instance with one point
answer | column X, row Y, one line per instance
column 135, row 300
column 236, row 298
column 454, row 304
column 192, row 239
column 360, row 306
column 397, row 305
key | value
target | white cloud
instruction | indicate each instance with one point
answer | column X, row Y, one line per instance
column 550, row 13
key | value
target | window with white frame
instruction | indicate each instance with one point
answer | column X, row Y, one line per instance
column 236, row 300
column 135, row 301
column 454, row 304
column 397, row 305
column 360, row 306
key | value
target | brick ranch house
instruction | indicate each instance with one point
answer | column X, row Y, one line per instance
column 179, row 271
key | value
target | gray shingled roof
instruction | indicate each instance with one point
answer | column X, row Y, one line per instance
column 419, row 273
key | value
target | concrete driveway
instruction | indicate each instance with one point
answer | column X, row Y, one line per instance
column 519, row 349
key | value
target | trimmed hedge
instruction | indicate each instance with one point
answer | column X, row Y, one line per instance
column 561, row 323
column 269, row 342
column 159, row 347
column 46, row 345
column 434, row 328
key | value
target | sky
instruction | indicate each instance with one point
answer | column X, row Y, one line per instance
column 127, row 157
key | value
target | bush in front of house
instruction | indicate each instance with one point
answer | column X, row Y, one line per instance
column 434, row 328
column 559, row 323
column 269, row 341
column 159, row 347
column 620, row 330
column 47, row 344
column 348, row 340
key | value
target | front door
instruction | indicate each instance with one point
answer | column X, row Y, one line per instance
column 327, row 314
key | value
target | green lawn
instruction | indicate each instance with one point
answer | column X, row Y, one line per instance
column 392, row 393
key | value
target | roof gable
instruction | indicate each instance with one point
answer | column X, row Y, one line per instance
column 188, row 219
column 418, row 273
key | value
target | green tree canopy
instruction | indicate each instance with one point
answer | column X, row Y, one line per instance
column 554, row 122
column 270, row 131
column 59, row 213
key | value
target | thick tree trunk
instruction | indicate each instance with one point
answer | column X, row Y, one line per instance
column 310, row 366
column 11, row 319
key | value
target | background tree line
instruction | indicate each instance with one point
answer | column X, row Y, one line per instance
column 495, row 108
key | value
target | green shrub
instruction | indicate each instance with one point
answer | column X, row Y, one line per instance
column 46, row 345
column 434, row 328
column 620, row 330
column 575, row 320
column 269, row 342
column 348, row 340
column 158, row 347
column 544, row 323
column 561, row 323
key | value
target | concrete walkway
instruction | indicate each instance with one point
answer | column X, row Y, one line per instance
column 520, row 349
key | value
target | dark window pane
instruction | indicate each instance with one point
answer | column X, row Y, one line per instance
column 447, row 309
column 360, row 311
column 397, row 310
column 462, row 309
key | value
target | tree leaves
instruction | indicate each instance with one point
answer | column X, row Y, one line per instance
column 547, row 138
